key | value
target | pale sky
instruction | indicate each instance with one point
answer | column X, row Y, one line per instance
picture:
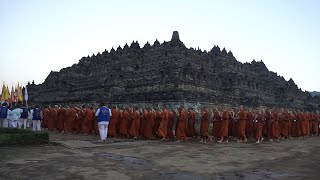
column 37, row 36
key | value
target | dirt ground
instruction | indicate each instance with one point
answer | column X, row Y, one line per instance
column 81, row 157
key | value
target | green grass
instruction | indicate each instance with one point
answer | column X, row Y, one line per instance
column 9, row 136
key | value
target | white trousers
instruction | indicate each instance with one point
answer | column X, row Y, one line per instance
column 36, row 125
column 26, row 123
column 5, row 123
column 14, row 123
column 20, row 122
column 103, row 129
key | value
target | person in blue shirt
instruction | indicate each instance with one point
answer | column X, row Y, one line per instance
column 103, row 117
column 36, row 118
column 4, row 122
column 24, row 117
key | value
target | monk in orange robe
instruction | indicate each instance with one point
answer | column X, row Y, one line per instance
column 149, row 120
column 217, row 120
column 303, row 120
column 259, row 123
column 162, row 130
column 242, row 125
column 275, row 125
column 268, row 126
column 61, row 117
column 124, row 119
column 249, row 124
column 95, row 127
column 135, row 125
column 204, row 126
column 52, row 119
column 232, row 124
column 70, row 121
column 87, row 121
column 308, row 124
column 156, row 123
column 170, row 125
column 181, row 126
column 79, row 120
column 315, row 124
column 113, row 122
column 191, row 130
column 224, row 132
column 46, row 114
column 286, row 125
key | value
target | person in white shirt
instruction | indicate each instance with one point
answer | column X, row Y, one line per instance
column 10, row 117
column 16, row 113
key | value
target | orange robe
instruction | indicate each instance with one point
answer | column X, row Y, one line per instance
column 224, row 132
column 87, row 121
column 204, row 126
column 124, row 119
column 242, row 124
column 181, row 126
column 259, row 123
column 135, row 124
column 286, row 125
column 217, row 120
column 79, row 120
column 45, row 118
column 275, row 125
column 52, row 119
column 71, row 118
column 268, row 127
column 148, row 124
column 191, row 130
column 113, row 123
column 249, row 125
column 315, row 124
column 170, row 125
column 162, row 130
column 156, row 123
column 61, row 117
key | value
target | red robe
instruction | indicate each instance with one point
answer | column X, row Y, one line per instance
column 113, row 123
column 170, row 125
column 135, row 124
column 191, row 130
column 224, row 132
column 52, row 119
column 156, row 124
column 95, row 127
column 242, row 124
column 249, row 125
column 79, row 120
column 315, row 124
column 275, row 125
column 61, row 117
column 87, row 121
column 181, row 126
column 259, row 123
column 45, row 118
column 162, row 130
column 204, row 126
column 217, row 120
column 148, row 124
column 71, row 118
column 286, row 124
column 124, row 118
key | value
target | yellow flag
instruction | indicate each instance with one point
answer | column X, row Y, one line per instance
column 20, row 96
column 5, row 93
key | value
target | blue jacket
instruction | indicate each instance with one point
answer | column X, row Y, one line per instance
column 36, row 114
column 24, row 113
column 104, row 114
column 4, row 112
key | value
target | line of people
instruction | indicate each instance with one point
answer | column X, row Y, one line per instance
column 180, row 124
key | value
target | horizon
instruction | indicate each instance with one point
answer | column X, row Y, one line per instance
column 59, row 31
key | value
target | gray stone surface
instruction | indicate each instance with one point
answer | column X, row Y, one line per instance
column 288, row 159
column 172, row 74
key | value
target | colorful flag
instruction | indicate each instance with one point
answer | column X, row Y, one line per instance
column 5, row 93
column 20, row 95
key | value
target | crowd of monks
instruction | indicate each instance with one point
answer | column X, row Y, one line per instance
column 180, row 124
